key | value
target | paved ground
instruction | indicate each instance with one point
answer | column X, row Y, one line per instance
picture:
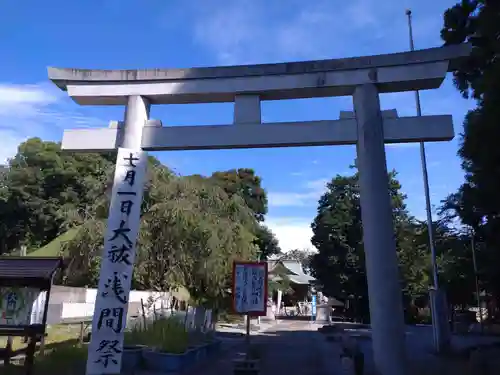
column 292, row 348
column 419, row 349
column 287, row 348
column 295, row 347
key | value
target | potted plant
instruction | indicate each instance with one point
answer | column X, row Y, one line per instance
column 198, row 344
column 168, row 349
column 133, row 345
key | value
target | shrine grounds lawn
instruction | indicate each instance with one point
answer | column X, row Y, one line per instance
column 55, row 334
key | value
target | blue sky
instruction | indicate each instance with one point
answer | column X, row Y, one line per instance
column 126, row 34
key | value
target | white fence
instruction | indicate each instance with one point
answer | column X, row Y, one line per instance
column 85, row 309
column 194, row 319
column 78, row 303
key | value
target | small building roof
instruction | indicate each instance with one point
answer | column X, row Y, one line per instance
column 294, row 271
column 28, row 271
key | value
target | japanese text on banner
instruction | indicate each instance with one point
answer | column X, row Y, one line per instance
column 249, row 288
column 110, row 315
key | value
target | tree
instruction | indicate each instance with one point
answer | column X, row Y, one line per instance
column 477, row 203
column 337, row 234
column 191, row 232
column 266, row 242
column 3, row 179
column 412, row 244
column 9, row 237
column 339, row 265
column 42, row 185
column 245, row 183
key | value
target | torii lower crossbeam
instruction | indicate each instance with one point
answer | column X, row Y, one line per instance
column 290, row 134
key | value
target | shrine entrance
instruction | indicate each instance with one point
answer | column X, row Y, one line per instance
column 363, row 78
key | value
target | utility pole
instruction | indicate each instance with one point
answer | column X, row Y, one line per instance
column 425, row 174
column 476, row 277
column 438, row 300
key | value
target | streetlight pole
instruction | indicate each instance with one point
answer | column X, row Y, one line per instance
column 478, row 297
column 423, row 160
column 439, row 323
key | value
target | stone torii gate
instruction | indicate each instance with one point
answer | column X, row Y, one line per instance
column 363, row 78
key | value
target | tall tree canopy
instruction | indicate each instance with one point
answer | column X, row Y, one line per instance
column 191, row 231
column 339, row 265
column 266, row 242
column 192, row 227
column 477, row 202
column 245, row 183
column 41, row 184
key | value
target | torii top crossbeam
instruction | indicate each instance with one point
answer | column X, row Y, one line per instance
column 247, row 86
column 405, row 71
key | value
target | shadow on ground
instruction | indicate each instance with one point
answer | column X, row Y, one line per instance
column 420, row 353
column 298, row 348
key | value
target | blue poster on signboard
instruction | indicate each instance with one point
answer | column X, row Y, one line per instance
column 313, row 306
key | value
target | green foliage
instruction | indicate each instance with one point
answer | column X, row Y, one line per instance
column 477, row 202
column 266, row 242
column 192, row 228
column 337, row 234
column 84, row 252
column 191, row 231
column 136, row 336
column 339, row 265
column 42, row 186
column 279, row 280
column 245, row 183
column 168, row 335
column 65, row 359
column 191, row 236
column 53, row 248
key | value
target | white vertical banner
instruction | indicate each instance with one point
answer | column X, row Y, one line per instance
column 278, row 302
column 208, row 321
column 250, row 288
column 111, row 305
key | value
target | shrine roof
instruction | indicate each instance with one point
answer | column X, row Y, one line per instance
column 28, row 271
column 294, row 271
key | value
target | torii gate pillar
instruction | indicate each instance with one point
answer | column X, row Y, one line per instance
column 384, row 290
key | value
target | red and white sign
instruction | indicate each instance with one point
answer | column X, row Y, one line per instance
column 250, row 288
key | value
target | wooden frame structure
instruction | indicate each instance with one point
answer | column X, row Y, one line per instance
column 29, row 272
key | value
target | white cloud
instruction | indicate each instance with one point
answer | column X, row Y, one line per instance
column 251, row 31
column 25, row 97
column 9, row 141
column 35, row 110
column 241, row 31
column 318, row 186
column 312, row 192
column 292, row 233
